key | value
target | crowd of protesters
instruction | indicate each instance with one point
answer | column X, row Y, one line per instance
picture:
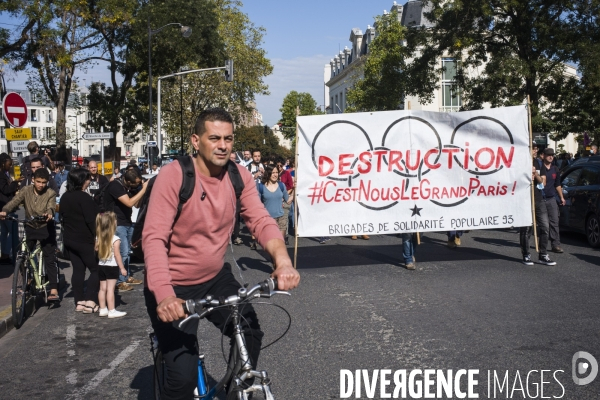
column 95, row 216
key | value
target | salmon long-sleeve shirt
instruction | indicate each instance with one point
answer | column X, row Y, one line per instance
column 194, row 251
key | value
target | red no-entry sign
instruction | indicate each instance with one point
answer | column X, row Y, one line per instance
column 15, row 109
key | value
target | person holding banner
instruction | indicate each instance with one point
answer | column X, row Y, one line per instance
column 541, row 217
column 408, row 250
column 553, row 196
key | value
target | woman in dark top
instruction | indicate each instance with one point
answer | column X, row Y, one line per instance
column 78, row 212
column 9, row 236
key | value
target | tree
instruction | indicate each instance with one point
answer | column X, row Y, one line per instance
column 13, row 40
column 124, row 27
column 583, row 115
column 255, row 138
column 384, row 83
column 292, row 102
column 63, row 43
column 198, row 91
column 505, row 50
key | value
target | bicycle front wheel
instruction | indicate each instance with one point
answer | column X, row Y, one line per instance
column 19, row 292
column 159, row 374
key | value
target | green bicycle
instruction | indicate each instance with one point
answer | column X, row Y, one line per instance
column 29, row 278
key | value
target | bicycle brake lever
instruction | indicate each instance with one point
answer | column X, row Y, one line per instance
column 274, row 292
column 193, row 316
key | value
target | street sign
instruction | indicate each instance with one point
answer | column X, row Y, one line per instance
column 15, row 109
column 151, row 144
column 98, row 135
column 17, row 146
column 18, row 133
column 108, row 168
column 17, row 172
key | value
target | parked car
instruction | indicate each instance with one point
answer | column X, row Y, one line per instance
column 581, row 189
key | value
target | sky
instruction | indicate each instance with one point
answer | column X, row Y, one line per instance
column 301, row 38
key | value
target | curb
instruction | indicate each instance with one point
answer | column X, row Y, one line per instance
column 6, row 318
column 6, row 321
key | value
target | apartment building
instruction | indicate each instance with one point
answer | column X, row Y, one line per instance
column 41, row 119
column 345, row 69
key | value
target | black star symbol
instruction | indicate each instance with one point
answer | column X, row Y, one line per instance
column 415, row 211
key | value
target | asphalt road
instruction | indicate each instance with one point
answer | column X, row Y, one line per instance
column 475, row 307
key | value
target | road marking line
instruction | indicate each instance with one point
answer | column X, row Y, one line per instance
column 71, row 336
column 96, row 380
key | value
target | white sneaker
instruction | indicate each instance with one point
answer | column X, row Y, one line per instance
column 103, row 312
column 116, row 314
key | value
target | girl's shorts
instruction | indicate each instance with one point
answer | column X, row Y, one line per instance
column 106, row 272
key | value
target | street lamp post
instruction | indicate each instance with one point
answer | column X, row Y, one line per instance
column 228, row 76
column 186, row 31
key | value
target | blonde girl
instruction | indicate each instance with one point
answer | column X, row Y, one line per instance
column 110, row 262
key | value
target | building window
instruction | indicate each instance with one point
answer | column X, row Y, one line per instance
column 450, row 96
column 49, row 118
column 48, row 132
column 34, row 116
column 342, row 106
column 34, row 132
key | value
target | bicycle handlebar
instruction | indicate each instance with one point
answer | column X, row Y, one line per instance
column 31, row 219
column 199, row 308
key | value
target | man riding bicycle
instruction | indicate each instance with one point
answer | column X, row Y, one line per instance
column 185, row 260
column 38, row 199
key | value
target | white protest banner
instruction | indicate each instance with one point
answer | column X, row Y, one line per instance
column 413, row 171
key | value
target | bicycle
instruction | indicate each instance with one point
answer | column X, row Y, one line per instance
column 239, row 368
column 29, row 278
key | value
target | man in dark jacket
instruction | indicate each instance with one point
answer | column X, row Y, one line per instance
column 9, row 236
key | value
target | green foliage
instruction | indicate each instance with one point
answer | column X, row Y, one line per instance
column 292, row 102
column 124, row 27
column 61, row 42
column 251, row 138
column 198, row 91
column 384, row 81
column 584, row 111
column 506, row 51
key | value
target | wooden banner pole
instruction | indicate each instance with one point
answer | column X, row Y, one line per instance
column 408, row 107
column 296, row 193
column 532, row 181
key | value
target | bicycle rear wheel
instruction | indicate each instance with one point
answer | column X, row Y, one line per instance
column 19, row 292
column 159, row 374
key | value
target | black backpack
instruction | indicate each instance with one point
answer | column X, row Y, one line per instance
column 185, row 193
column 101, row 198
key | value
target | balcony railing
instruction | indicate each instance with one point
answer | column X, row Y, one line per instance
column 450, row 109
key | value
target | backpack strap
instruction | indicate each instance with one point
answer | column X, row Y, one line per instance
column 236, row 179
column 187, row 184
column 282, row 187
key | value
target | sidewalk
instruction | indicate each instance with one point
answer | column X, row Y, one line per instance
column 6, row 323
column 6, row 274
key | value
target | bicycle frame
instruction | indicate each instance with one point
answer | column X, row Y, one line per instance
column 239, row 368
column 37, row 269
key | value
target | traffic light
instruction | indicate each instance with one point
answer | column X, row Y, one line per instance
column 266, row 129
column 229, row 70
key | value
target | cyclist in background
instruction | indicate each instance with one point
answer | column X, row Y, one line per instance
column 38, row 199
column 186, row 260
